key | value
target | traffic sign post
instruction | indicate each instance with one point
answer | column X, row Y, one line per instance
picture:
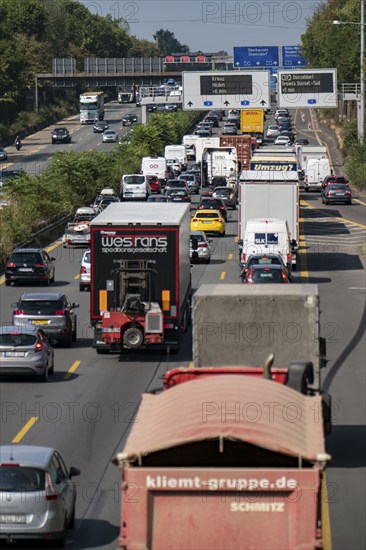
column 225, row 90
column 291, row 57
column 254, row 56
column 307, row 88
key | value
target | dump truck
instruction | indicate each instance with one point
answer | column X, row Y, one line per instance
column 252, row 122
column 243, row 146
column 221, row 462
column 253, row 321
column 140, row 276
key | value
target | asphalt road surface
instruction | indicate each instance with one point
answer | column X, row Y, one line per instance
column 87, row 407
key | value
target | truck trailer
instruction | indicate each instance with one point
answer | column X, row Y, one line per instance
column 252, row 122
column 218, row 462
column 253, row 321
column 243, row 145
column 220, row 162
column 140, row 276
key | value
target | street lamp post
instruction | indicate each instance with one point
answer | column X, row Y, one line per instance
column 361, row 106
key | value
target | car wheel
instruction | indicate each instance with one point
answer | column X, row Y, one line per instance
column 44, row 377
column 52, row 280
column 223, row 234
column 208, row 261
column 52, row 369
column 67, row 340
column 7, row 283
column 349, row 202
column 326, row 202
column 72, row 518
column 74, row 334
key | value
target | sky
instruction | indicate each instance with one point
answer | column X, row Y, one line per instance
column 212, row 26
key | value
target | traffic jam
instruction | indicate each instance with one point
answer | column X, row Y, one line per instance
column 196, row 264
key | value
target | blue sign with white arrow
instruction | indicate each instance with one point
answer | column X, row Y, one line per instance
column 256, row 56
column 291, row 57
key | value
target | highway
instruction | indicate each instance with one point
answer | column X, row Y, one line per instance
column 87, row 407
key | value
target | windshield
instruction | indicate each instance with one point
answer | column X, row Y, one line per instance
column 338, row 187
column 208, row 215
column 88, row 106
column 44, row 306
column 17, row 339
column 134, row 180
column 26, row 257
column 267, row 275
column 15, row 479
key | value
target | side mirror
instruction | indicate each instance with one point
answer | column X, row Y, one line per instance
column 75, row 305
column 74, row 472
column 240, row 242
column 53, row 259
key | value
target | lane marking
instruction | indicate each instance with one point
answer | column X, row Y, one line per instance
column 72, row 369
column 77, row 276
column 327, row 536
column 53, row 246
column 223, row 275
column 230, row 256
column 334, row 217
column 304, row 273
column 358, row 200
column 25, row 429
column 190, row 366
column 356, row 288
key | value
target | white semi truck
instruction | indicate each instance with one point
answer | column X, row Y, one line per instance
column 91, row 107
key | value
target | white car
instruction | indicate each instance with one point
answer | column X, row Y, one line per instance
column 273, row 131
column 283, row 140
column 110, row 136
column 199, row 247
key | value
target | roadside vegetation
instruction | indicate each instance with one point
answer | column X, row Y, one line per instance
column 326, row 46
column 73, row 179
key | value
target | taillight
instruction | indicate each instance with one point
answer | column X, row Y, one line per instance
column 217, row 220
column 203, row 245
column 11, row 264
column 39, row 265
column 288, row 258
column 283, row 276
column 19, row 312
column 51, row 492
column 38, row 347
column 244, row 257
column 348, row 193
column 83, row 269
column 60, row 312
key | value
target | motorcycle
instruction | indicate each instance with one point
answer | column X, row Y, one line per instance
column 18, row 145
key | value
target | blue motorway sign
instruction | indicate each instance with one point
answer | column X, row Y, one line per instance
column 256, row 56
column 291, row 57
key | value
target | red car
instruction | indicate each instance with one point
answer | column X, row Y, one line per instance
column 155, row 186
column 333, row 179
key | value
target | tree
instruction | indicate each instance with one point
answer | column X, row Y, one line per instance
column 166, row 43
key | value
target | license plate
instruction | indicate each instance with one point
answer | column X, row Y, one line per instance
column 25, row 269
column 43, row 322
column 206, row 222
column 11, row 519
column 14, row 353
column 339, row 194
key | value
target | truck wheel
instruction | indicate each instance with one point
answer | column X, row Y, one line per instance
column 300, row 374
column 133, row 337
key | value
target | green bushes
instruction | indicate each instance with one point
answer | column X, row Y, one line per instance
column 356, row 164
column 73, row 179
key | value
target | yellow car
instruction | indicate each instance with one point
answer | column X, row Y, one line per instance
column 210, row 221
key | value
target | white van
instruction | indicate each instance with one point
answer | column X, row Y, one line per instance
column 315, row 172
column 269, row 236
column 134, row 186
column 154, row 166
column 176, row 152
column 189, row 142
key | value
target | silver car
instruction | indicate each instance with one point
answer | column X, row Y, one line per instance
column 84, row 281
column 52, row 311
column 37, row 494
column 109, row 136
column 199, row 247
column 25, row 350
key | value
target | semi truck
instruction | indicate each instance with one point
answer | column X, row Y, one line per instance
column 220, row 162
column 126, row 94
column 243, row 145
column 91, row 107
column 218, row 462
column 270, row 199
column 140, row 276
column 252, row 122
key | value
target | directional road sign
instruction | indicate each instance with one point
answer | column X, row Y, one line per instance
column 307, row 88
column 225, row 90
column 291, row 57
column 256, row 56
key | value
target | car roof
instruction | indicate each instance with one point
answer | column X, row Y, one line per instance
column 26, row 455
column 31, row 329
column 42, row 296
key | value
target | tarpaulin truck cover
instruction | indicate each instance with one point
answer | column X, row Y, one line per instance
column 223, row 463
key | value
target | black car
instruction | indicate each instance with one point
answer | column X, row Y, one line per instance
column 30, row 265
column 61, row 135
column 158, row 198
column 100, row 126
column 337, row 192
column 178, row 195
column 284, row 126
column 209, row 203
column 151, row 108
column 214, row 120
column 263, row 260
column 301, row 141
column 129, row 119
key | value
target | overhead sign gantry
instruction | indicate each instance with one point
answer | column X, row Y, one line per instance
column 307, row 88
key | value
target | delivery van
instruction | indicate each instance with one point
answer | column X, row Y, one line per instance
column 154, row 166
column 315, row 172
column 267, row 236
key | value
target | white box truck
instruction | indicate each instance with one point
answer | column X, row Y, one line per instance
column 205, row 143
column 189, row 142
column 220, row 162
column 154, row 166
column 178, row 152
column 268, row 200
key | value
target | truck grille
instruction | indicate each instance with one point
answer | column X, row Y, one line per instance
column 154, row 322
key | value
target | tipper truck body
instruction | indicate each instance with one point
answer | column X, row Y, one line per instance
column 140, row 276
column 219, row 463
